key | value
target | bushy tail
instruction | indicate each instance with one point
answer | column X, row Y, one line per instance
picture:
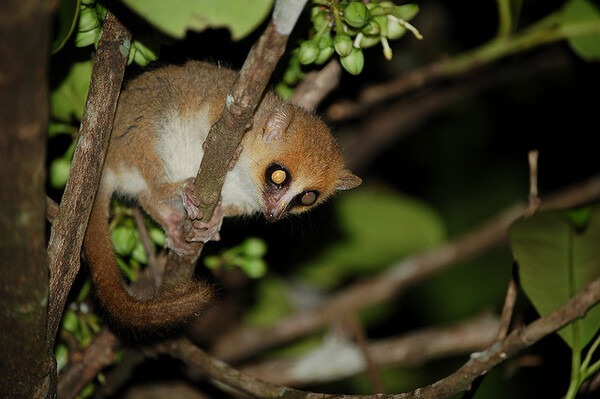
column 172, row 304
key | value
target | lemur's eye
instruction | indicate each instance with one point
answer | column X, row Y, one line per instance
column 277, row 175
column 307, row 198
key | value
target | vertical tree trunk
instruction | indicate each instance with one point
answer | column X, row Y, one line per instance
column 25, row 361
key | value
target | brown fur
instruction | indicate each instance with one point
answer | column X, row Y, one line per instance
column 162, row 119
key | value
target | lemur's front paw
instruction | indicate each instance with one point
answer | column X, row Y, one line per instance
column 207, row 231
column 175, row 240
column 190, row 201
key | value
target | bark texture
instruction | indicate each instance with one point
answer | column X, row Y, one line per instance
column 25, row 363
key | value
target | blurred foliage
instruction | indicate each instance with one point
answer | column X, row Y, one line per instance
column 248, row 256
column 378, row 227
column 68, row 97
column 466, row 162
column 176, row 17
column 583, row 12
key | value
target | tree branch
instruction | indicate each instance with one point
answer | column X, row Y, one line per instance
column 407, row 110
column 84, row 366
column 226, row 134
column 409, row 350
column 67, row 235
column 317, row 85
column 518, row 340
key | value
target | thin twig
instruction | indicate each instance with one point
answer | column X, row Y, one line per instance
column 389, row 123
column 140, row 224
column 511, row 292
column 85, row 366
column 372, row 370
column 51, row 209
column 545, row 32
column 508, row 308
column 505, row 322
column 412, row 349
column 317, row 85
column 534, row 199
column 518, row 340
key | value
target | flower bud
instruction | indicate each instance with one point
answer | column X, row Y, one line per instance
column 342, row 44
column 147, row 50
column 395, row 29
column 88, row 20
column 368, row 41
column 308, row 53
column 354, row 62
column 356, row 14
column 324, row 55
column 406, row 11
column 372, row 28
column 83, row 39
column 319, row 19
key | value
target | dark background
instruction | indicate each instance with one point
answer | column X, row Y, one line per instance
column 467, row 158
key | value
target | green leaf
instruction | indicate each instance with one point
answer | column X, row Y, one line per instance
column 406, row 11
column 84, row 292
column 127, row 269
column 145, row 48
column 70, row 321
column 254, row 247
column 157, row 235
column 581, row 14
column 59, row 172
column 124, row 240
column 66, row 21
column 580, row 217
column 271, row 302
column 212, row 262
column 139, row 253
column 556, row 260
column 175, row 17
column 58, row 128
column 62, row 356
column 254, row 268
column 379, row 227
column 68, row 99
